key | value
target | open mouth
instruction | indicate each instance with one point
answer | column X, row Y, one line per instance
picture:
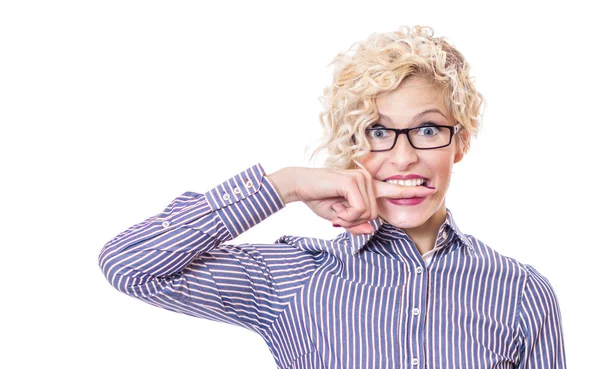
column 410, row 182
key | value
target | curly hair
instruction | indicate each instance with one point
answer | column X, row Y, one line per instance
column 380, row 64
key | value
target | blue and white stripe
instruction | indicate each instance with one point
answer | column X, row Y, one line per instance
column 366, row 301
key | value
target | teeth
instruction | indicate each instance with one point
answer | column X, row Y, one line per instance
column 407, row 182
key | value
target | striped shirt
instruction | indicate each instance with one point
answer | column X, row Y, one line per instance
column 367, row 301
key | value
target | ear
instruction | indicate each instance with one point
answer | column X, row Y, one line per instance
column 463, row 137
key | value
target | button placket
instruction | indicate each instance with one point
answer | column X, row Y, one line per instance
column 416, row 314
column 416, row 311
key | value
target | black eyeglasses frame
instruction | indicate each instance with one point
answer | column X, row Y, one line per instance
column 398, row 132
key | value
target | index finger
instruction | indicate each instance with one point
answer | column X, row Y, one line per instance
column 390, row 190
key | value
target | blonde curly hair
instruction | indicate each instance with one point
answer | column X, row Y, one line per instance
column 380, row 64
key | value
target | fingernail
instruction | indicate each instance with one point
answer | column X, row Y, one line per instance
column 336, row 225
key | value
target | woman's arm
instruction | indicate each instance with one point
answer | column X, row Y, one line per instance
column 177, row 260
column 539, row 325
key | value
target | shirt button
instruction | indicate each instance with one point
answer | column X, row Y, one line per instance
column 165, row 224
column 226, row 196
column 444, row 235
column 415, row 361
column 249, row 184
column 416, row 311
column 419, row 270
column 237, row 190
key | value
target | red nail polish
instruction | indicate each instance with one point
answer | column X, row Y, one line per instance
column 336, row 225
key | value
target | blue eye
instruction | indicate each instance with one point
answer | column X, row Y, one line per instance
column 428, row 131
column 377, row 133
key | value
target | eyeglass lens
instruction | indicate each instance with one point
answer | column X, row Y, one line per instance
column 421, row 138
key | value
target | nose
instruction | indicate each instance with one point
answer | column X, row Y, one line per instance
column 403, row 154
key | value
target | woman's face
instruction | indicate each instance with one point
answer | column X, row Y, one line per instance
column 404, row 108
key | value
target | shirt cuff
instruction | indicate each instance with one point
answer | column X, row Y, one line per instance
column 244, row 200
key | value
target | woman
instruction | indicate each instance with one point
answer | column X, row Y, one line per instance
column 403, row 287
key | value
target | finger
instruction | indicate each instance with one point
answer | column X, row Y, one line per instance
column 349, row 225
column 370, row 189
column 390, row 190
column 371, row 196
column 356, row 209
column 364, row 228
column 355, row 198
column 363, row 184
column 354, row 227
column 359, row 165
column 338, row 207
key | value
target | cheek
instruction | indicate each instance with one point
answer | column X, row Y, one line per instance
column 442, row 168
column 438, row 163
column 372, row 164
column 435, row 163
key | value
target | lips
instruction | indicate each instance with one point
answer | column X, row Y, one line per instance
column 407, row 176
column 407, row 202
column 417, row 191
column 411, row 183
column 410, row 177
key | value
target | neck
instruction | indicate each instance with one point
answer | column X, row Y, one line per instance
column 425, row 235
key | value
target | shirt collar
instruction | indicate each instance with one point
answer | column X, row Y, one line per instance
column 359, row 241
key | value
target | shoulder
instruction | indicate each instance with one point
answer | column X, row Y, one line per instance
column 285, row 250
column 317, row 246
column 492, row 259
column 539, row 316
column 531, row 283
column 538, row 295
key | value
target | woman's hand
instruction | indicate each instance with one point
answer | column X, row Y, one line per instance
column 347, row 198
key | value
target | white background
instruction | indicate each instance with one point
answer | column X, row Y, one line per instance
column 111, row 109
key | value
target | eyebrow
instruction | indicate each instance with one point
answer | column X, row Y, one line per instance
column 416, row 117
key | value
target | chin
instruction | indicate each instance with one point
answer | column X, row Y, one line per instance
column 406, row 224
column 407, row 217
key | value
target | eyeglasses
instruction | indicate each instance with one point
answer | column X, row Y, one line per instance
column 427, row 137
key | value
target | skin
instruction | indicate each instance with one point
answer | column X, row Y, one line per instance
column 350, row 198
column 413, row 96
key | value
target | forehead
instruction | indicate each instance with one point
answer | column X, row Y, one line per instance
column 413, row 96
